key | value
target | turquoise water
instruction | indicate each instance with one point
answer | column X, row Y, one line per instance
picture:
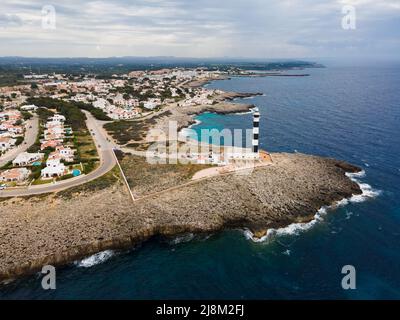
column 76, row 172
column 347, row 113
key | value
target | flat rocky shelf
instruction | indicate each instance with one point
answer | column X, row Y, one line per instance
column 56, row 229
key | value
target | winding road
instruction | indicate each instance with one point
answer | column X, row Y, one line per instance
column 32, row 128
column 107, row 162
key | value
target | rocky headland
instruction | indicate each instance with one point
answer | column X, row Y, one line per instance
column 59, row 228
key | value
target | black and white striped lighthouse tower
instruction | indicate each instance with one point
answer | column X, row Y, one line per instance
column 256, row 130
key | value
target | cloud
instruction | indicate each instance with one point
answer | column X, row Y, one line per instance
column 202, row 28
column 9, row 20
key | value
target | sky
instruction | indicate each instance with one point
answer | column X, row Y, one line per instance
column 266, row 29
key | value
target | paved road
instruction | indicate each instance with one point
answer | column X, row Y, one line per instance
column 107, row 162
column 32, row 128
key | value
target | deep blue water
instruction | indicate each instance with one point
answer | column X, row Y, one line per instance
column 350, row 113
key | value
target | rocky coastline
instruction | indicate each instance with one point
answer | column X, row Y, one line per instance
column 56, row 230
column 185, row 116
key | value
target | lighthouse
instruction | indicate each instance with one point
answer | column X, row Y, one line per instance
column 256, row 132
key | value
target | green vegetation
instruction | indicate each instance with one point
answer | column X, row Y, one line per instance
column 86, row 151
column 125, row 131
column 39, row 181
column 44, row 114
column 19, row 140
column 26, row 115
column 85, row 148
column 74, row 116
column 10, row 80
column 89, row 166
column 71, row 110
column 36, row 171
column 66, row 177
column 8, row 165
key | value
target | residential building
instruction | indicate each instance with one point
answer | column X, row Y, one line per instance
column 54, row 168
column 15, row 175
column 6, row 143
column 26, row 158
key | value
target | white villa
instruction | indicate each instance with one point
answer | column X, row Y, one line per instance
column 64, row 153
column 29, row 107
column 54, row 168
column 152, row 103
column 15, row 175
column 57, row 118
column 6, row 143
column 26, row 158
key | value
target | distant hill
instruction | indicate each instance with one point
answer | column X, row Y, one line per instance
column 12, row 69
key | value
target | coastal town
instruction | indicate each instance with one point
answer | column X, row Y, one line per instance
column 199, row 158
column 54, row 103
column 78, row 152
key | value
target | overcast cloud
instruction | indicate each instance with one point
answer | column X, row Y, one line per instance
column 202, row 28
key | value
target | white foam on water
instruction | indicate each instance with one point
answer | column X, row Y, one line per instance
column 296, row 228
column 341, row 203
column 95, row 259
column 348, row 215
column 367, row 191
column 182, row 238
column 196, row 123
column 246, row 112
column 243, row 113
column 356, row 175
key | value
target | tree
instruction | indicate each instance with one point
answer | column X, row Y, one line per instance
column 26, row 115
column 19, row 140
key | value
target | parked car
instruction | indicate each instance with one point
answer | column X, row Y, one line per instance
column 2, row 186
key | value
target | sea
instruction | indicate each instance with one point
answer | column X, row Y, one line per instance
column 346, row 112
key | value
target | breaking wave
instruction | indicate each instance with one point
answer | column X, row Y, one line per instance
column 251, row 110
column 296, row 228
column 95, row 259
column 182, row 239
column 196, row 123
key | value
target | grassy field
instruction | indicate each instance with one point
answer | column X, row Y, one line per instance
column 145, row 178
column 86, row 149
column 40, row 181
column 126, row 132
